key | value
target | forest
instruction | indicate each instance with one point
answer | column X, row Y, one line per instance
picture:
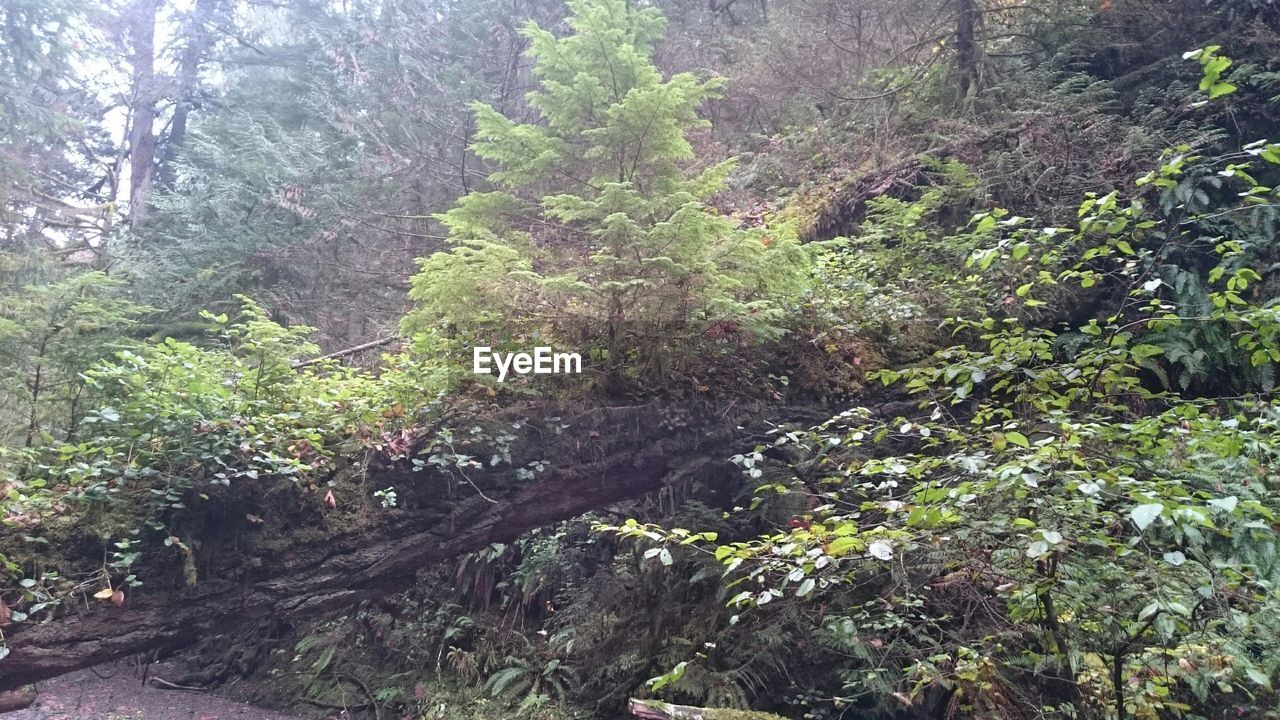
column 657, row 359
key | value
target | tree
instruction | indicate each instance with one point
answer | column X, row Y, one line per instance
column 142, row 106
column 53, row 193
column 599, row 232
column 51, row 333
column 1046, row 512
column 308, row 174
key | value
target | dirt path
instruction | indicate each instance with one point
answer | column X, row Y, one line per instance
column 119, row 694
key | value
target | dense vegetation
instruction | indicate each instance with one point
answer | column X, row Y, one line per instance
column 929, row 354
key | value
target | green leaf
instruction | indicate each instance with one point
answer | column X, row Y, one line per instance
column 806, row 587
column 1144, row 515
column 1227, row 503
column 1151, row 609
column 1253, row 674
column 1219, row 89
column 657, row 683
column 842, row 546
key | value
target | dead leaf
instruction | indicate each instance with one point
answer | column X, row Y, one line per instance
column 253, row 518
column 117, row 598
column 104, row 594
column 5, row 614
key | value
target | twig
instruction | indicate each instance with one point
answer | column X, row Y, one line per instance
column 348, row 351
column 94, row 668
column 373, row 701
column 163, row 684
column 332, row 706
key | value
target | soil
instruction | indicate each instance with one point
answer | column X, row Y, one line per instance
column 117, row 691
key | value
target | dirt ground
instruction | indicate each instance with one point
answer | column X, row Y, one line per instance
column 117, row 692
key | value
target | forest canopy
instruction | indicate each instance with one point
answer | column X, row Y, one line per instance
column 928, row 355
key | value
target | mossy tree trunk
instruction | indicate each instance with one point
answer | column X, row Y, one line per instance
column 383, row 558
column 658, row 710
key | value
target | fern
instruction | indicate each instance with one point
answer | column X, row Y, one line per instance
column 511, row 680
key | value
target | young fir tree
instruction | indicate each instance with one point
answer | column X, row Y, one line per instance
column 597, row 235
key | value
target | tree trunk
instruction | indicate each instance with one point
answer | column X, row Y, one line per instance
column 199, row 40
column 16, row 699
column 967, row 16
column 142, row 107
column 639, row 454
column 657, row 710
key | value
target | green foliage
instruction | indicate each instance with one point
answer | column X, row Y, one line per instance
column 49, row 335
column 531, row 684
column 1078, row 520
column 1214, row 65
column 597, row 235
column 174, row 429
column 1082, row 523
column 246, row 191
column 49, row 122
column 890, row 285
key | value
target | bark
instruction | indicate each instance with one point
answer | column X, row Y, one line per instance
column 967, row 17
column 16, row 699
column 199, row 41
column 142, row 139
column 348, row 351
column 318, row 577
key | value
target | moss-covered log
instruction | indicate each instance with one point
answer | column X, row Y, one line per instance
column 658, row 710
column 16, row 699
column 634, row 451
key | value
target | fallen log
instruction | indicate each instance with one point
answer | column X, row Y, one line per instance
column 17, row 699
column 658, row 710
column 364, row 565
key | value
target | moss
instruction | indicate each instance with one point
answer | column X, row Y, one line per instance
column 682, row 712
column 740, row 715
